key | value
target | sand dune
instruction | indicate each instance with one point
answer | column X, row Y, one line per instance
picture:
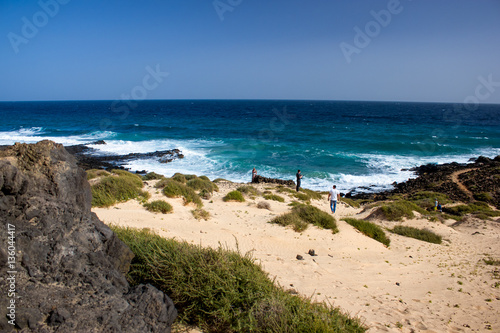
column 412, row 286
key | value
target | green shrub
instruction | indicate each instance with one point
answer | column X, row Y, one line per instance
column 219, row 290
column 175, row 189
column 248, row 190
column 395, row 211
column 199, row 184
column 274, row 197
column 113, row 189
column 420, row 234
column 179, row 177
column 159, row 206
column 316, row 216
column 291, row 219
column 200, row 213
column 132, row 176
column 234, row 196
column 204, row 178
column 152, row 176
column 369, row 229
column 205, row 194
column 94, row 173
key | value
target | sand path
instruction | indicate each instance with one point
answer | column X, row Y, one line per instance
column 412, row 286
column 454, row 178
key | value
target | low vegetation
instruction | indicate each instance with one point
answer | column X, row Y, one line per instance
column 397, row 210
column 274, row 197
column 199, row 184
column 249, row 190
column 95, row 173
column 175, row 189
column 420, row 234
column 264, row 205
column 351, row 202
column 159, row 206
column 234, row 196
column 219, row 290
column 200, row 213
column 303, row 215
column 117, row 186
column 369, row 229
column 152, row 176
column 427, row 199
column 480, row 209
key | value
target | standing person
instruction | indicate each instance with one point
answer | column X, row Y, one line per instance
column 299, row 177
column 333, row 196
column 254, row 173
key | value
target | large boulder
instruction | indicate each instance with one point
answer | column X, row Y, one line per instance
column 61, row 268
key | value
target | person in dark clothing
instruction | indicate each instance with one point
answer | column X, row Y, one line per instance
column 299, row 177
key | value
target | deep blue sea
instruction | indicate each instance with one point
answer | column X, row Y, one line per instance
column 352, row 144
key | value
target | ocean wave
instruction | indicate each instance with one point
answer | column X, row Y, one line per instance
column 35, row 134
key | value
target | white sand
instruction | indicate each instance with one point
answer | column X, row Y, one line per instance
column 412, row 286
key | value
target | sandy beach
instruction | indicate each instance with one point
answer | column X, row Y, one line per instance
column 410, row 286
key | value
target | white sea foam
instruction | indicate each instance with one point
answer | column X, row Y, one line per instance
column 35, row 134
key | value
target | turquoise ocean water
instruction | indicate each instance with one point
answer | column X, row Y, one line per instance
column 356, row 145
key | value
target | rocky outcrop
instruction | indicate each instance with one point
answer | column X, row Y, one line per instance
column 259, row 179
column 61, row 268
column 466, row 182
column 86, row 158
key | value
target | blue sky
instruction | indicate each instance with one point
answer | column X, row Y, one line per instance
column 420, row 50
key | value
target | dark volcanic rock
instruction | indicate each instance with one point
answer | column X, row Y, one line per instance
column 69, row 267
column 481, row 178
column 259, row 179
column 87, row 160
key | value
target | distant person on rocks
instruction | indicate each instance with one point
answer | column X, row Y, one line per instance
column 254, row 174
column 299, row 177
column 333, row 196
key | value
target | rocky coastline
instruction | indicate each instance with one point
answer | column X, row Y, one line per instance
column 460, row 182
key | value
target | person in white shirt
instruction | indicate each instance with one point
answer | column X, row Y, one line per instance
column 333, row 196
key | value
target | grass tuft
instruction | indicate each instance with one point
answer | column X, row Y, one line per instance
column 420, row 234
column 274, row 197
column 369, row 229
column 159, row 206
column 152, row 176
column 200, row 213
column 248, row 190
column 175, row 189
column 264, row 205
column 117, row 187
column 234, row 196
column 397, row 210
column 303, row 215
column 200, row 184
column 95, row 173
column 219, row 290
